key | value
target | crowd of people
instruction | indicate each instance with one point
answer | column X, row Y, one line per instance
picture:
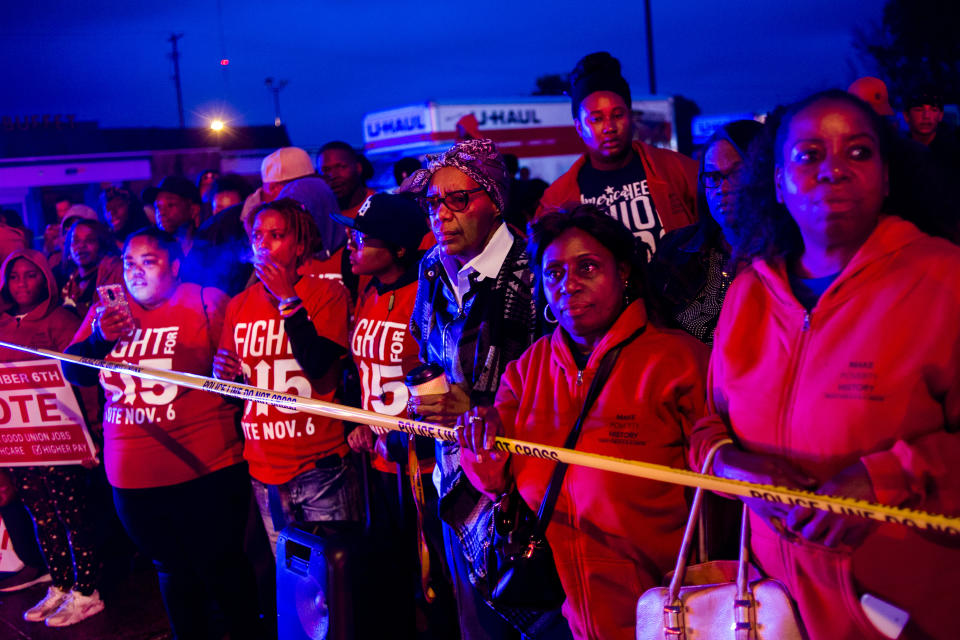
column 781, row 309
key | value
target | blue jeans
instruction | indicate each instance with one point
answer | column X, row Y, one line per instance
column 330, row 491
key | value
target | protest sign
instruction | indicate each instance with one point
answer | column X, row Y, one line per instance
column 40, row 418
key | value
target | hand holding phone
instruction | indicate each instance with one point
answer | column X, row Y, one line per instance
column 113, row 313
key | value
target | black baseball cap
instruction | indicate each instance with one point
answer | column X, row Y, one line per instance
column 393, row 218
column 926, row 94
column 180, row 186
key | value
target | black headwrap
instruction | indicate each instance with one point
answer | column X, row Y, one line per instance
column 598, row 71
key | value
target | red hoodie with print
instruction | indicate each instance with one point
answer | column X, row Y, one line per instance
column 872, row 373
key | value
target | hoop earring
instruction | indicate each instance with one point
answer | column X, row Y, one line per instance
column 549, row 318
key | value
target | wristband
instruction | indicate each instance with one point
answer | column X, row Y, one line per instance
column 290, row 311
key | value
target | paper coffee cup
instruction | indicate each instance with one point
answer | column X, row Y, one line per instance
column 427, row 379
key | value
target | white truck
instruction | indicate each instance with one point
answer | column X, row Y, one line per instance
column 538, row 130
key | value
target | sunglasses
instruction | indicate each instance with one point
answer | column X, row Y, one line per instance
column 454, row 200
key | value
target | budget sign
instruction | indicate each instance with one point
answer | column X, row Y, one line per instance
column 40, row 419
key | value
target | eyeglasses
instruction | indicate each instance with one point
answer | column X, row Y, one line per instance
column 360, row 240
column 453, row 200
column 713, row 179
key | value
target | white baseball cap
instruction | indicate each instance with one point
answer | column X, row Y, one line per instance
column 286, row 163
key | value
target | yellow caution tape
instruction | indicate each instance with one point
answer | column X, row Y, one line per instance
column 782, row 495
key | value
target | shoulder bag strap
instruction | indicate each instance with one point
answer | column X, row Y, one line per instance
column 683, row 557
column 556, row 480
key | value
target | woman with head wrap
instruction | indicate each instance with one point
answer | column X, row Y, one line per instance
column 694, row 266
column 652, row 191
column 474, row 313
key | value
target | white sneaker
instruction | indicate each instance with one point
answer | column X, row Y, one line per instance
column 47, row 606
column 74, row 608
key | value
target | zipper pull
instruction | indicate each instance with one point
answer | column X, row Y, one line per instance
column 393, row 298
column 806, row 321
column 580, row 377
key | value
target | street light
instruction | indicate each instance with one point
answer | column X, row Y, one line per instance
column 216, row 125
column 274, row 88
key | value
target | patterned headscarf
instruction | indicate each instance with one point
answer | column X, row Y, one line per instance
column 478, row 159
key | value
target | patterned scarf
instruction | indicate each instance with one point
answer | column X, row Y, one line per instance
column 478, row 159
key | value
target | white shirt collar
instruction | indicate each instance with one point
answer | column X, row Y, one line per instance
column 486, row 264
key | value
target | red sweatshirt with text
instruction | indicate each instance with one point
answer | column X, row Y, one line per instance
column 871, row 374
column 384, row 352
column 280, row 444
column 155, row 433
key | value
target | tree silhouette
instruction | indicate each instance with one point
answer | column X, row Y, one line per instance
column 917, row 44
column 552, row 84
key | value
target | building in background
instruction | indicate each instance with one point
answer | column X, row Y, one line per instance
column 50, row 158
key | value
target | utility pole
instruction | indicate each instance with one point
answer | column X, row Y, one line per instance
column 275, row 88
column 651, row 71
column 175, row 56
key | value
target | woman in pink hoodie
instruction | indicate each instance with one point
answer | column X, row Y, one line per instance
column 55, row 495
column 835, row 369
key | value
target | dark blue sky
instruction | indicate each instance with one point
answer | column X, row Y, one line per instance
column 107, row 60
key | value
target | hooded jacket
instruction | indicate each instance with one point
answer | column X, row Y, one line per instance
column 671, row 179
column 870, row 374
column 612, row 536
column 49, row 326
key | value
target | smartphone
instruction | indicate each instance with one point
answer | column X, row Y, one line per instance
column 888, row 619
column 112, row 297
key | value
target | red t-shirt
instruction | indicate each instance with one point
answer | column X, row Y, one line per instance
column 283, row 443
column 158, row 434
column 384, row 352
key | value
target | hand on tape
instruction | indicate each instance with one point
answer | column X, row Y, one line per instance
column 477, row 431
column 736, row 464
column 830, row 529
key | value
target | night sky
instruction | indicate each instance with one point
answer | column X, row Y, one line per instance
column 107, row 60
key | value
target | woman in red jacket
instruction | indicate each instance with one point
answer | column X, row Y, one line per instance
column 820, row 374
column 612, row 536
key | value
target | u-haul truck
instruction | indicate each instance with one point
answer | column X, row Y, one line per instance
column 538, row 130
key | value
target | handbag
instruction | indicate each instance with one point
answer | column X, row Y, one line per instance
column 521, row 572
column 706, row 601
